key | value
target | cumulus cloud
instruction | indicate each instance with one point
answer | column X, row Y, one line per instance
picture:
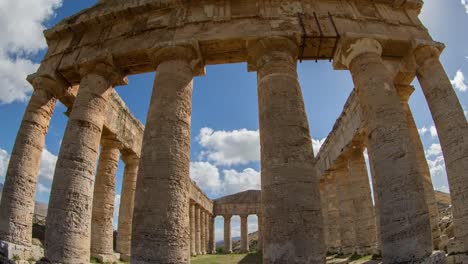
column 229, row 147
column 115, row 221
column 206, row 175
column 317, row 144
column 21, row 24
column 4, row 159
column 48, row 161
column 465, row 4
column 41, row 188
column 458, row 81
column 434, row 150
column 428, row 130
column 238, row 181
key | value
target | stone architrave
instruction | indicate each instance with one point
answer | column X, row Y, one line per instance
column 163, row 177
column 68, row 226
column 227, row 234
column 127, row 202
column 102, row 230
column 405, row 91
column 17, row 203
column 293, row 231
column 244, row 233
column 452, row 130
column 404, row 217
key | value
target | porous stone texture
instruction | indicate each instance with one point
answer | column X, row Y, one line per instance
column 202, row 233
column 207, row 233
column 212, row 241
column 127, row 202
column 260, row 232
column 160, row 232
column 347, row 217
column 292, row 217
column 404, row 92
column 193, row 251
column 197, row 230
column 17, row 203
column 244, row 234
column 227, row 234
column 324, row 201
column 333, row 214
column 68, row 227
column 102, row 230
column 404, row 222
column 452, row 130
column 363, row 208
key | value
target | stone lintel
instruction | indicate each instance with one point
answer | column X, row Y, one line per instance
column 181, row 50
column 106, row 69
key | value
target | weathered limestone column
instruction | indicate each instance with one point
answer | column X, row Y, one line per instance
column 197, row 230
column 17, row 203
column 227, row 234
column 260, row 232
column 405, row 91
column 102, row 230
column 360, row 191
column 376, row 209
column 212, row 241
column 68, row 227
column 334, row 236
column 404, row 222
column 207, row 233
column 193, row 251
column 202, row 232
column 452, row 130
column 324, row 202
column 163, row 177
column 293, row 231
column 347, row 217
column 127, row 202
column 244, row 234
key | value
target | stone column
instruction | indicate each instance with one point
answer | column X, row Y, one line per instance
column 452, row 129
column 334, row 236
column 293, row 232
column 102, row 230
column 197, row 230
column 68, row 227
column 163, row 177
column 193, row 251
column 207, row 233
column 405, row 91
column 376, row 209
column 202, row 232
column 212, row 241
column 244, row 234
column 260, row 232
column 324, row 202
column 127, row 199
column 404, row 222
column 346, row 208
column 360, row 191
column 227, row 234
column 17, row 203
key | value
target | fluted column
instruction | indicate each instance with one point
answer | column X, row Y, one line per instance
column 17, row 203
column 193, row 251
column 68, row 227
column 127, row 201
column 334, row 236
column 260, row 232
column 227, row 234
column 360, row 191
column 207, row 233
column 197, row 230
column 404, row 222
column 452, row 129
column 346, row 208
column 202, row 232
column 212, row 240
column 324, row 204
column 102, row 230
column 244, row 234
column 293, row 232
column 405, row 91
column 163, row 177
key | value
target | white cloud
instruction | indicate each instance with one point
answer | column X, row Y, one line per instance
column 206, row 176
column 115, row 221
column 438, row 173
column 4, row 159
column 230, row 147
column 433, row 131
column 317, row 144
column 425, row 130
column 434, row 150
column 458, row 81
column 41, row 188
column 238, row 181
column 48, row 161
column 21, row 25
column 465, row 4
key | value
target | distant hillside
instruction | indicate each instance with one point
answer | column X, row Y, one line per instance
column 253, row 240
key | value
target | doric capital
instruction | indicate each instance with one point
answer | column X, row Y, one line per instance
column 270, row 48
column 189, row 52
column 227, row 217
column 425, row 53
column 106, row 70
column 244, row 216
column 404, row 92
column 55, row 85
column 351, row 49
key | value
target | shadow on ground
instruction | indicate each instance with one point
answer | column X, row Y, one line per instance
column 252, row 258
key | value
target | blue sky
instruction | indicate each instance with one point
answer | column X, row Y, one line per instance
column 225, row 148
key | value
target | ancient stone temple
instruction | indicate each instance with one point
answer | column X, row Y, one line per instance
column 307, row 206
